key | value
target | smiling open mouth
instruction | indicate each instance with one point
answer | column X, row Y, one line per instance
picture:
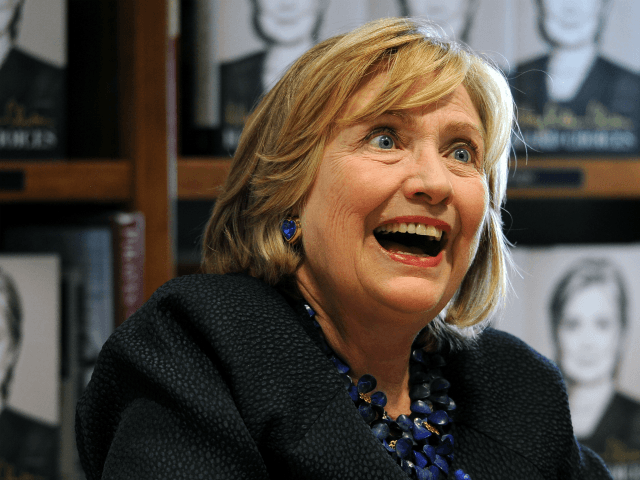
column 414, row 239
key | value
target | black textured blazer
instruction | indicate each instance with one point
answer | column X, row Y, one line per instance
column 219, row 377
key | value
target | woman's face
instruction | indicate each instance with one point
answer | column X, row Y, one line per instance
column 288, row 21
column 572, row 23
column 449, row 14
column 589, row 334
column 416, row 171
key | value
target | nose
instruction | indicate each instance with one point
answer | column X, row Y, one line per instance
column 428, row 179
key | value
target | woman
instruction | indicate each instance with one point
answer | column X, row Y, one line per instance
column 364, row 197
column 589, row 321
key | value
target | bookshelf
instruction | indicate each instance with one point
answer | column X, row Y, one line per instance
column 142, row 177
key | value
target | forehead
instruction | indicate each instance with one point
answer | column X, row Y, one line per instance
column 458, row 104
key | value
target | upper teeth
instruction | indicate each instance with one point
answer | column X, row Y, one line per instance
column 417, row 228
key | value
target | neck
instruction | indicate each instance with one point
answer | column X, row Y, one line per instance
column 372, row 345
column 568, row 67
column 588, row 402
column 5, row 47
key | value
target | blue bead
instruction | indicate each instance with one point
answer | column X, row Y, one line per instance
column 420, row 432
column 342, row 367
column 346, row 380
column 439, row 417
column 403, row 447
column 353, row 393
column 421, row 460
column 366, row 384
column 309, row 310
column 419, row 377
column 288, row 228
column 418, row 355
column 367, row 412
column 404, row 423
column 430, row 452
column 440, row 398
column 419, row 391
column 380, row 430
column 379, row 399
column 435, row 471
column 387, row 446
column 460, row 475
column 442, row 464
column 407, row 466
column 448, row 438
column 439, row 384
column 422, row 474
column 421, row 407
column 452, row 405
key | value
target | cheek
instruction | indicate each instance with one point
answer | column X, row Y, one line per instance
column 472, row 209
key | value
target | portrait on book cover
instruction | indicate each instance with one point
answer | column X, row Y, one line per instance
column 259, row 39
column 487, row 26
column 32, row 79
column 573, row 96
column 29, row 366
column 578, row 306
column 455, row 17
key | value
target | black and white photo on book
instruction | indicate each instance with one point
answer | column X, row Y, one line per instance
column 29, row 366
column 33, row 58
column 578, row 305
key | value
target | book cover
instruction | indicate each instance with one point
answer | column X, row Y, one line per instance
column 32, row 79
column 235, row 51
column 29, row 366
column 576, row 77
column 89, row 249
column 578, row 305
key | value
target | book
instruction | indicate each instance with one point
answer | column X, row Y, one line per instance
column 33, row 81
column 128, row 230
column 576, row 101
column 29, row 366
column 109, row 251
column 87, row 248
column 577, row 305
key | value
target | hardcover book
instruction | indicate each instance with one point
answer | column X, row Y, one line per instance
column 32, row 79
column 576, row 78
column 29, row 366
column 578, row 305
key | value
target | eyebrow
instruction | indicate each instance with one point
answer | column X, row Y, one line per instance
column 450, row 128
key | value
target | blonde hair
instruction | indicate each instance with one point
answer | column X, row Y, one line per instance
column 283, row 142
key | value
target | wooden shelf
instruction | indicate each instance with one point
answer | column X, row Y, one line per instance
column 102, row 181
column 200, row 178
column 576, row 178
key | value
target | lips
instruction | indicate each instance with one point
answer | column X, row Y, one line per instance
column 409, row 236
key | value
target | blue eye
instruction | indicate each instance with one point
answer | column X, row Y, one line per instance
column 462, row 155
column 384, row 142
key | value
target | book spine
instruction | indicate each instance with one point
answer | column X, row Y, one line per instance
column 129, row 257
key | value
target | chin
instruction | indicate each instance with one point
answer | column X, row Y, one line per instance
column 414, row 296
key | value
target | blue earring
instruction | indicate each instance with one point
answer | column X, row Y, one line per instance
column 291, row 230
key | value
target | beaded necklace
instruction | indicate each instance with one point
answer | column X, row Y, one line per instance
column 420, row 442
